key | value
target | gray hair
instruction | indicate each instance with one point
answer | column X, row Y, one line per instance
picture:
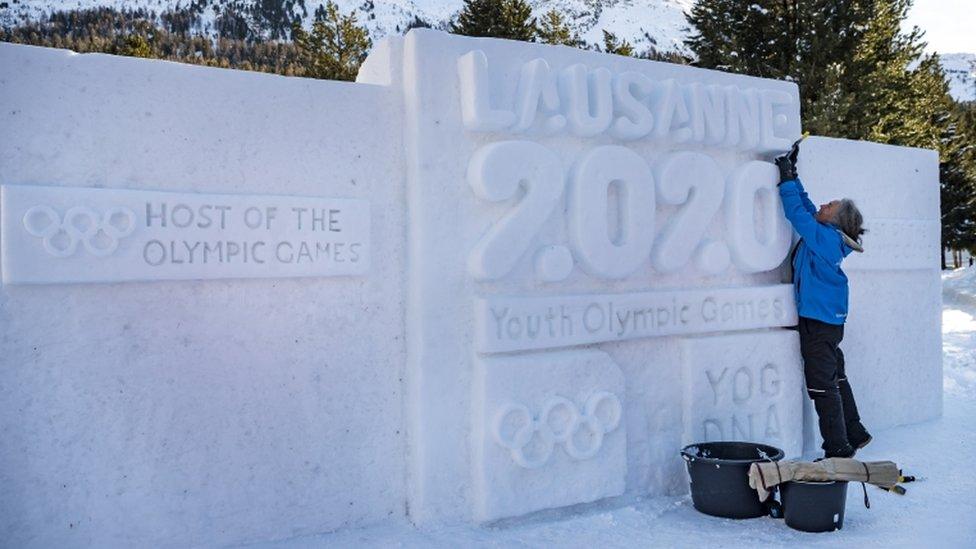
column 849, row 219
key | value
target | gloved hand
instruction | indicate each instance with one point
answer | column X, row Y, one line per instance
column 787, row 163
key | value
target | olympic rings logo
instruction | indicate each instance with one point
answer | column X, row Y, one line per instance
column 61, row 236
column 532, row 439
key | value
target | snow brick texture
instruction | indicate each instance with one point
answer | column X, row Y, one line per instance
column 575, row 270
column 182, row 413
column 892, row 339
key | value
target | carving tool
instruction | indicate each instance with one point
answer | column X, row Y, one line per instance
column 796, row 145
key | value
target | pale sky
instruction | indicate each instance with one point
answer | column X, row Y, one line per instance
column 949, row 25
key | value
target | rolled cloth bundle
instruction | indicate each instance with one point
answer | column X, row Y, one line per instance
column 764, row 475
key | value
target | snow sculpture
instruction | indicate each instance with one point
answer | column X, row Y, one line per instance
column 526, row 162
column 553, row 263
column 549, row 430
column 629, row 105
column 518, row 323
column 630, row 92
column 895, row 283
column 744, row 388
column 476, row 107
column 693, row 180
column 537, row 85
column 220, row 398
column 756, row 251
column 151, row 235
column 580, row 432
column 429, row 221
column 589, row 108
column 496, row 173
column 600, row 254
column 80, row 224
column 671, row 113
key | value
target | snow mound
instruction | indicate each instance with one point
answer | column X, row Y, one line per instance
column 959, row 331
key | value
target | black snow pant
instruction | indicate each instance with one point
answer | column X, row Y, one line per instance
column 827, row 385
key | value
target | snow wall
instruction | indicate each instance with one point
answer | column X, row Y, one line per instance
column 196, row 412
column 488, row 279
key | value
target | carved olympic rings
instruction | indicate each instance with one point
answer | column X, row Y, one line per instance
column 99, row 235
column 560, row 422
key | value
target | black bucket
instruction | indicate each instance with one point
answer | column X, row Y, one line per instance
column 719, row 474
column 814, row 506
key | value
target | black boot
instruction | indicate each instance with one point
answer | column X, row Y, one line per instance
column 845, row 451
column 833, row 428
column 857, row 435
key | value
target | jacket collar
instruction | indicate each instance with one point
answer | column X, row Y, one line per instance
column 851, row 243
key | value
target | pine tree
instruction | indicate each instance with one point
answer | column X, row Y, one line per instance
column 553, row 30
column 807, row 41
column 511, row 19
column 232, row 22
column 736, row 36
column 860, row 77
column 894, row 103
column 335, row 48
column 957, row 173
column 274, row 18
column 906, row 101
column 612, row 44
column 175, row 35
column 135, row 45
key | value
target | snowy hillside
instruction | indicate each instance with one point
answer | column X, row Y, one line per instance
column 961, row 70
column 657, row 23
column 660, row 24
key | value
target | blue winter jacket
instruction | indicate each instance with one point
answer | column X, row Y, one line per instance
column 819, row 282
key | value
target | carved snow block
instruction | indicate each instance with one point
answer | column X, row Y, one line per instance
column 62, row 235
column 548, row 432
column 561, row 198
column 746, row 387
column 893, row 338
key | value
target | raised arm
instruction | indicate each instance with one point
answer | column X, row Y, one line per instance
column 805, row 198
column 823, row 240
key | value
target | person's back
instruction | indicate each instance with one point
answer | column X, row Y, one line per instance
column 821, row 285
column 827, row 236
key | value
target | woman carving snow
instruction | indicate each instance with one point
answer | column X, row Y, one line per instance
column 827, row 236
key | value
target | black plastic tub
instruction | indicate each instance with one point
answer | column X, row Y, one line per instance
column 814, row 506
column 719, row 474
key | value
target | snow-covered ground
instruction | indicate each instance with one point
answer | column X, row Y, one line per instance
column 939, row 511
column 959, row 334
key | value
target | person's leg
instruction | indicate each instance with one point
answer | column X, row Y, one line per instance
column 818, row 344
column 857, row 435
